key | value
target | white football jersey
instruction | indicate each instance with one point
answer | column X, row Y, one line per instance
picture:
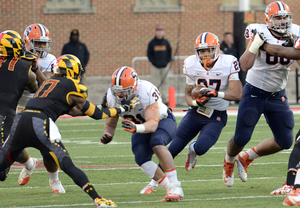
column 217, row 78
column 45, row 66
column 149, row 94
column 45, row 63
column 269, row 73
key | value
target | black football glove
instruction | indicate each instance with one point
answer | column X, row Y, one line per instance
column 208, row 93
column 129, row 125
column 202, row 100
column 106, row 138
column 130, row 103
column 289, row 39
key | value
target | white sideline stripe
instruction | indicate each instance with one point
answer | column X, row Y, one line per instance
column 140, row 202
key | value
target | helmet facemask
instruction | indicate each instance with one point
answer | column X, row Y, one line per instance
column 209, row 58
column 282, row 25
column 116, row 88
column 38, row 51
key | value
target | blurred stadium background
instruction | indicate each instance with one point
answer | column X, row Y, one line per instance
column 118, row 31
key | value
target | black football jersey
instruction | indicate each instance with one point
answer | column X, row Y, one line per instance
column 13, row 80
column 52, row 96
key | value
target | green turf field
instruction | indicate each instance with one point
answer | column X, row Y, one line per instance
column 112, row 170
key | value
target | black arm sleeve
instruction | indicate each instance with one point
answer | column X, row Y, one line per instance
column 99, row 113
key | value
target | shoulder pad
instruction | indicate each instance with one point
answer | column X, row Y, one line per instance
column 29, row 57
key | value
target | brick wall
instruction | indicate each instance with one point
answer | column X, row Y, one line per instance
column 114, row 35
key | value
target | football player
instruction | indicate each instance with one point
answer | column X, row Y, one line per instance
column 207, row 114
column 37, row 42
column 152, row 126
column 17, row 72
column 264, row 93
column 35, row 127
column 292, row 52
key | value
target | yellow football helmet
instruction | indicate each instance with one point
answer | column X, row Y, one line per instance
column 11, row 44
column 68, row 66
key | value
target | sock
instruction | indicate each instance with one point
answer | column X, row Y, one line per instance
column 164, row 182
column 154, row 183
column 252, row 153
column 229, row 158
column 297, row 180
column 172, row 175
column 89, row 189
column 53, row 175
column 192, row 147
column 29, row 163
column 291, row 175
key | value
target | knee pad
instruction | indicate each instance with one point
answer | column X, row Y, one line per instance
column 149, row 168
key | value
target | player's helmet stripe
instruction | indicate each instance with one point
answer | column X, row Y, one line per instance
column 119, row 76
column 12, row 34
column 43, row 30
column 203, row 38
column 280, row 5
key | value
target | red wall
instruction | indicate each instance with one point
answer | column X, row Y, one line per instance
column 114, row 34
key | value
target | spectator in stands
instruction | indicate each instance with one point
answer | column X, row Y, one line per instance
column 77, row 48
column 228, row 47
column 160, row 54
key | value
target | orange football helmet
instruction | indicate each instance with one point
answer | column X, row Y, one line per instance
column 209, row 41
column 275, row 9
column 37, row 40
column 124, row 79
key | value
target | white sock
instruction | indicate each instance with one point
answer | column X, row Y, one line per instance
column 53, row 175
column 252, row 153
column 172, row 175
column 164, row 182
column 297, row 179
column 228, row 158
column 29, row 163
column 154, row 183
column 192, row 147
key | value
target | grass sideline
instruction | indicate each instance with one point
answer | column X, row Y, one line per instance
column 112, row 170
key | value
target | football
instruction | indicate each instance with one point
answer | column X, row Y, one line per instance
column 196, row 90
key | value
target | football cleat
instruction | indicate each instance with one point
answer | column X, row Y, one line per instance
column 57, row 187
column 148, row 189
column 25, row 174
column 174, row 193
column 285, row 189
column 293, row 199
column 191, row 158
column 228, row 174
column 243, row 162
column 102, row 202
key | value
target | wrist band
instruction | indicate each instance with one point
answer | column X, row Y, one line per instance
column 140, row 128
column 194, row 103
column 221, row 94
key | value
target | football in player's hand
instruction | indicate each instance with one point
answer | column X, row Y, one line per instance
column 196, row 90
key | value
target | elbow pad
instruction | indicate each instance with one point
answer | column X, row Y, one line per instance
column 98, row 113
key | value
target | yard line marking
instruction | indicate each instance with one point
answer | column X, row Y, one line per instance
column 138, row 182
column 140, row 202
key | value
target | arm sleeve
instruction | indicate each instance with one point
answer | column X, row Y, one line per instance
column 99, row 113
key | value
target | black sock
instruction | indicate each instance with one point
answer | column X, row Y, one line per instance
column 291, row 175
column 89, row 189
